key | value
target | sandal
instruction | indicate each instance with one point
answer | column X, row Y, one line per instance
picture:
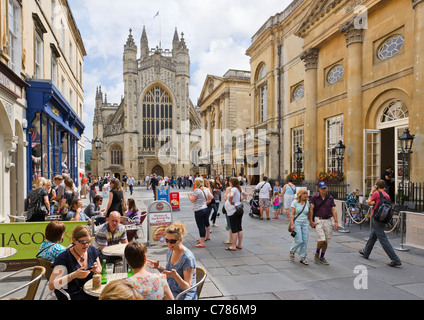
column 304, row 262
column 229, row 249
column 200, row 245
column 291, row 256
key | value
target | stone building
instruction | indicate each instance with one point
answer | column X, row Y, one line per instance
column 349, row 70
column 155, row 106
column 41, row 97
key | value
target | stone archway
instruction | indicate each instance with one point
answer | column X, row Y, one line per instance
column 158, row 170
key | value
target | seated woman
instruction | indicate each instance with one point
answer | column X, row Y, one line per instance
column 76, row 213
column 180, row 265
column 50, row 248
column 120, row 290
column 75, row 266
column 151, row 286
column 133, row 214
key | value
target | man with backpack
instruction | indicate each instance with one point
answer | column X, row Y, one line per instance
column 379, row 199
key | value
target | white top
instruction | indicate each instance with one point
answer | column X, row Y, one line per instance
column 200, row 202
column 264, row 192
column 231, row 209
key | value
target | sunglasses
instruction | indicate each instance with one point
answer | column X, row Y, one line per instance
column 171, row 241
column 84, row 241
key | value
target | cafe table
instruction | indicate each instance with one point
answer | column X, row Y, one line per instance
column 116, row 250
column 88, row 286
column 6, row 252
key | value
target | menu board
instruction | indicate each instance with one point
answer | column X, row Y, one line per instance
column 160, row 218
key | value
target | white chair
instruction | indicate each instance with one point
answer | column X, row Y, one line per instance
column 32, row 285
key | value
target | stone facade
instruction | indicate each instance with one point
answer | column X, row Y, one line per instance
column 351, row 71
column 156, row 98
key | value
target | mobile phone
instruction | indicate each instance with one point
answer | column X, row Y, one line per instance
column 89, row 268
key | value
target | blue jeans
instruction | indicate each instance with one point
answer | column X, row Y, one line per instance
column 377, row 232
column 301, row 238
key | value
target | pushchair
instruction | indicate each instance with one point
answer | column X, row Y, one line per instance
column 254, row 207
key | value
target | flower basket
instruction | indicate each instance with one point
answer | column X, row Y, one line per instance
column 297, row 176
column 330, row 177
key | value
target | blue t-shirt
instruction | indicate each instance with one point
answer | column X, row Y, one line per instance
column 187, row 261
column 298, row 209
column 51, row 250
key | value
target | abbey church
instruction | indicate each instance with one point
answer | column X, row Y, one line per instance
column 156, row 98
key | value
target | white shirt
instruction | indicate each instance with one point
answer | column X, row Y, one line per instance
column 264, row 192
column 231, row 209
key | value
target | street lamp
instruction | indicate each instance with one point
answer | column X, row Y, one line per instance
column 406, row 140
column 299, row 158
column 340, row 151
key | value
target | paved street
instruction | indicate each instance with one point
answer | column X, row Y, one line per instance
column 262, row 270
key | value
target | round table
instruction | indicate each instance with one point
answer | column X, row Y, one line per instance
column 6, row 252
column 88, row 286
column 116, row 250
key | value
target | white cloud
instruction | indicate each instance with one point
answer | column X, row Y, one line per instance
column 217, row 33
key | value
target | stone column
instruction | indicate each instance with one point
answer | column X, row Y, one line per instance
column 310, row 58
column 353, row 124
column 416, row 111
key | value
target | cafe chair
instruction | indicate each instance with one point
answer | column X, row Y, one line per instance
column 48, row 266
column 140, row 228
column 15, row 219
column 33, row 284
column 201, row 275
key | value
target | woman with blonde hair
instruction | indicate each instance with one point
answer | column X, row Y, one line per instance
column 299, row 225
column 200, row 198
column 120, row 290
column 180, row 262
column 38, row 199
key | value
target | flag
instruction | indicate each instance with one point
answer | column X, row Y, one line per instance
column 156, row 15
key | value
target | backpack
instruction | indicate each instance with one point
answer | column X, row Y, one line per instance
column 384, row 212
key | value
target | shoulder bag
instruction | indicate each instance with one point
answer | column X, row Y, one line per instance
column 289, row 228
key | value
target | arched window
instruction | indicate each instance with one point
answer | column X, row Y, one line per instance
column 396, row 110
column 262, row 72
column 163, row 103
column 116, row 155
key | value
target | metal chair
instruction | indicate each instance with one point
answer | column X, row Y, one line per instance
column 33, row 284
column 201, row 275
column 48, row 266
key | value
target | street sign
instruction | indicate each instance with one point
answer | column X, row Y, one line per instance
column 175, row 201
column 162, row 193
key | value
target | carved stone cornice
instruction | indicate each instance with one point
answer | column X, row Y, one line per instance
column 352, row 33
column 416, row 2
column 310, row 58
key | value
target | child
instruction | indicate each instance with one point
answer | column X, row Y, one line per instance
column 276, row 202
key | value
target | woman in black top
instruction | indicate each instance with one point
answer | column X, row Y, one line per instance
column 39, row 205
column 116, row 197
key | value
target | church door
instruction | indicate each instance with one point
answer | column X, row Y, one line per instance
column 158, row 170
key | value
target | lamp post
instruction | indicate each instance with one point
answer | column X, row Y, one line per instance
column 406, row 140
column 299, row 158
column 340, row 151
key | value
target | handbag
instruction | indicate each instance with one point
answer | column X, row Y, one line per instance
column 239, row 210
column 289, row 228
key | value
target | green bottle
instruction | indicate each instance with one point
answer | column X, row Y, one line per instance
column 130, row 271
column 104, row 272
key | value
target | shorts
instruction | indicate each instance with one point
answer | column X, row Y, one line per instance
column 324, row 228
column 276, row 207
column 264, row 203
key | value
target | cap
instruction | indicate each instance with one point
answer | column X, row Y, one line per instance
column 322, row 185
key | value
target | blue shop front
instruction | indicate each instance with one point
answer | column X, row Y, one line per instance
column 54, row 130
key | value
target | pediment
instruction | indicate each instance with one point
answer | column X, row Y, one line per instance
column 209, row 86
column 318, row 10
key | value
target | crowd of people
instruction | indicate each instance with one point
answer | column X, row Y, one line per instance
column 75, row 265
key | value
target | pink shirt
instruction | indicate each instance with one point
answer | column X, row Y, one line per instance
column 376, row 197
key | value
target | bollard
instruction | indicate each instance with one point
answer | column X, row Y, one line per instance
column 402, row 232
column 344, row 230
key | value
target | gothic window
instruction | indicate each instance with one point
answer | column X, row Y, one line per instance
column 156, row 97
column 116, row 155
column 391, row 47
column 335, row 74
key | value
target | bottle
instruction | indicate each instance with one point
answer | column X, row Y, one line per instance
column 104, row 272
column 130, row 271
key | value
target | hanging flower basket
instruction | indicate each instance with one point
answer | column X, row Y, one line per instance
column 330, row 177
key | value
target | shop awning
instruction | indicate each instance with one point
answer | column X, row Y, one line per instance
column 43, row 96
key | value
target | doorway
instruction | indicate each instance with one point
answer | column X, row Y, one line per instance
column 158, row 170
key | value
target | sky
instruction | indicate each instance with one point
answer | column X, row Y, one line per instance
column 217, row 34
